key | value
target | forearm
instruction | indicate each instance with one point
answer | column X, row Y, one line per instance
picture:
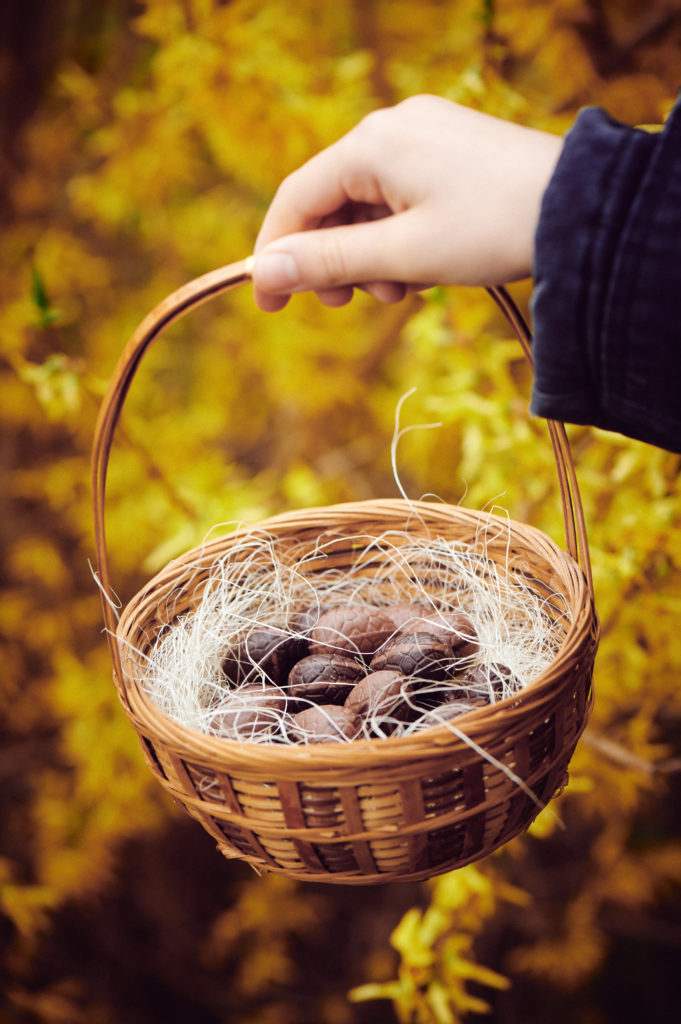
column 608, row 282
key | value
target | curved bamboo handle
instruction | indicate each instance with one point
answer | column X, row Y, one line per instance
column 172, row 308
column 576, row 538
column 194, row 294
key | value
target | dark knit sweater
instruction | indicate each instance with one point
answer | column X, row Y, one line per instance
column 607, row 300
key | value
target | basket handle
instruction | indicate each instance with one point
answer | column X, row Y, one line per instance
column 206, row 287
column 574, row 524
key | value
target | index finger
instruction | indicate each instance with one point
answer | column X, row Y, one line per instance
column 318, row 189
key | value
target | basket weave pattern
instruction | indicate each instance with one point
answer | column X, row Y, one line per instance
column 401, row 808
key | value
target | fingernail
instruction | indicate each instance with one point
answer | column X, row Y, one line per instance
column 276, row 271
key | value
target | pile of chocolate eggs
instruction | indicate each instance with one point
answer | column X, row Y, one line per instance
column 355, row 671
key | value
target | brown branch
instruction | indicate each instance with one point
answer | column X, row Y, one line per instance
column 607, row 55
column 368, row 38
column 154, row 472
column 618, row 754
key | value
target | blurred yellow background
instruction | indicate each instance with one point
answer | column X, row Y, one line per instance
column 141, row 145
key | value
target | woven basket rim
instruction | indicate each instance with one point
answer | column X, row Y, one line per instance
column 436, row 740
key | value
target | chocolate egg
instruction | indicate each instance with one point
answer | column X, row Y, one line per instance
column 434, row 693
column 495, row 679
column 270, row 650
column 324, row 678
column 380, row 693
column 324, row 724
column 453, row 627
column 406, row 615
column 424, row 656
column 451, row 710
column 354, row 629
column 250, row 710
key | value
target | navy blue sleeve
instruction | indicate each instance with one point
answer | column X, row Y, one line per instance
column 606, row 305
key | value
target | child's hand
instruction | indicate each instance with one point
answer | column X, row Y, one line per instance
column 426, row 192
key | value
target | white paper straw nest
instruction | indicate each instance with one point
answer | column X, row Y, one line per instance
column 210, row 670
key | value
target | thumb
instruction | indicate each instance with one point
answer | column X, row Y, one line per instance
column 328, row 258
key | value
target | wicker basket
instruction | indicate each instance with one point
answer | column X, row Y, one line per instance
column 402, row 808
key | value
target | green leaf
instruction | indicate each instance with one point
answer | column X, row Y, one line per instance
column 47, row 314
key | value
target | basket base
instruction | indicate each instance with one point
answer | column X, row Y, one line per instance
column 324, row 878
